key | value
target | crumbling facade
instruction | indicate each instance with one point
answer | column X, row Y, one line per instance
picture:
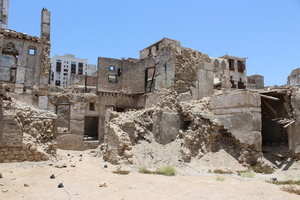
column 171, row 93
column 294, row 77
column 25, row 60
column 27, row 133
column 255, row 82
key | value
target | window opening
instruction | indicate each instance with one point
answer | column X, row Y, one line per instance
column 111, row 68
column 92, row 106
column 58, row 65
column 231, row 64
column 80, row 68
column 32, row 51
column 73, row 67
column 241, row 66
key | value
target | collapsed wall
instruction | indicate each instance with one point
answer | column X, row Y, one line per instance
column 73, row 106
column 191, row 123
column 28, row 133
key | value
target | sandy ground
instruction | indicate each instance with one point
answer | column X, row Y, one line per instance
column 81, row 181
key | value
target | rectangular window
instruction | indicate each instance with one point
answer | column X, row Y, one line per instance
column 112, row 78
column 92, row 106
column 80, row 68
column 65, row 74
column 57, row 82
column 58, row 66
column 73, row 67
column 13, row 72
column 251, row 81
column 241, row 66
column 231, row 64
column 31, row 51
column 65, row 70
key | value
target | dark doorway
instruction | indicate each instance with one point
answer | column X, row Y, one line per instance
column 273, row 113
column 91, row 128
column 63, row 113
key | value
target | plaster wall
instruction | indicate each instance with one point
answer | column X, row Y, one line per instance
column 240, row 113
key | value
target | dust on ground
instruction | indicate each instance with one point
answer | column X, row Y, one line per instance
column 82, row 172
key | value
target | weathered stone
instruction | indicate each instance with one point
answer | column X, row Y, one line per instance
column 37, row 158
column 30, row 158
column 33, row 148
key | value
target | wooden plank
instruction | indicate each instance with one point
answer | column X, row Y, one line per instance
column 269, row 97
column 270, row 107
column 289, row 124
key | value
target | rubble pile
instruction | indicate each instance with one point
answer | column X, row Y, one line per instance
column 198, row 133
column 36, row 131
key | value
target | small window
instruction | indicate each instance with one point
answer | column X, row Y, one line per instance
column 111, row 68
column 112, row 78
column 92, row 106
column 31, row 51
column 231, row 64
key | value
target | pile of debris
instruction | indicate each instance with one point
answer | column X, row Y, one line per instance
column 29, row 133
column 188, row 128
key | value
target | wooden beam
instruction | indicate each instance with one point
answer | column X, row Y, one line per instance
column 289, row 124
column 269, row 97
column 268, row 105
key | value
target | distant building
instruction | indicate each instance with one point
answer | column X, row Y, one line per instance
column 294, row 77
column 63, row 68
column 232, row 67
column 255, row 82
column 4, row 5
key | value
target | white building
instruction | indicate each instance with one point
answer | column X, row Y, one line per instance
column 63, row 66
column 4, row 5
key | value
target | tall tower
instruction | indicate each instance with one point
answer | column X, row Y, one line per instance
column 4, row 4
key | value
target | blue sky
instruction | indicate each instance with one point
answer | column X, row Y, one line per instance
column 265, row 31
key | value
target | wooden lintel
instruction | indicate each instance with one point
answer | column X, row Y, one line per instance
column 269, row 97
column 270, row 107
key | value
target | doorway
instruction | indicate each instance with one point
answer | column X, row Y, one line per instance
column 91, row 128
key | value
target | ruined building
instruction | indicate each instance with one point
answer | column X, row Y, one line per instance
column 170, row 93
column 255, row 82
column 24, row 75
column 294, row 77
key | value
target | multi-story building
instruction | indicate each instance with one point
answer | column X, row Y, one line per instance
column 63, row 67
column 255, row 82
column 4, row 5
column 294, row 77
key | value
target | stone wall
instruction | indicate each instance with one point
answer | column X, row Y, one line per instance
column 240, row 112
column 294, row 129
column 20, row 154
column 126, row 76
column 28, row 134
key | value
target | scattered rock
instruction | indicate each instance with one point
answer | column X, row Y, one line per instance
column 103, row 184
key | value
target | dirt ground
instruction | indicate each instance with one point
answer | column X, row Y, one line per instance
column 81, row 173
